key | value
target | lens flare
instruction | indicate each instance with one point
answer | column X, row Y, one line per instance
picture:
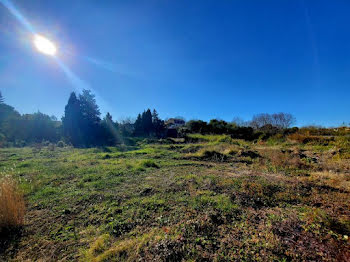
column 44, row 45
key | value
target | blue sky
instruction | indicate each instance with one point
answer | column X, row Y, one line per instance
column 196, row 59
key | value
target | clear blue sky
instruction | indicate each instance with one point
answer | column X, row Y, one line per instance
column 197, row 59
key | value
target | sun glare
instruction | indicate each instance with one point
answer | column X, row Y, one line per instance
column 44, row 45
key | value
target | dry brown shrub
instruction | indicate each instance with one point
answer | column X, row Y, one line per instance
column 12, row 207
column 334, row 180
column 297, row 137
column 312, row 139
column 284, row 160
column 335, row 164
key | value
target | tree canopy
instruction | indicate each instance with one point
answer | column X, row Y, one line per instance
column 82, row 126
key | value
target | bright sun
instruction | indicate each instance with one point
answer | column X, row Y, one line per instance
column 44, row 45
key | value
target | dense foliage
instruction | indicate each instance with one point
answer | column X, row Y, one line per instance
column 19, row 130
column 82, row 126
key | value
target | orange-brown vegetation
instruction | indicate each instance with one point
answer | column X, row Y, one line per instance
column 12, row 208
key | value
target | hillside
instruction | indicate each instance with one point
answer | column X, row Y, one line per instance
column 211, row 198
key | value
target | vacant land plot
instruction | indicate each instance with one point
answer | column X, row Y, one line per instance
column 214, row 199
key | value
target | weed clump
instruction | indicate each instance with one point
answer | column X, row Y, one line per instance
column 213, row 155
column 248, row 153
column 149, row 163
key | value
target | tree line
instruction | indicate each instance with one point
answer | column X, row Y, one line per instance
column 83, row 126
column 19, row 130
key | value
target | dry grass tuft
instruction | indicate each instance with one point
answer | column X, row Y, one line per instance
column 334, row 180
column 12, row 208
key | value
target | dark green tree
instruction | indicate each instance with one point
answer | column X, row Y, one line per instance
column 10, row 128
column 20, row 130
column 39, row 127
column 147, row 122
column 158, row 125
column 110, row 134
column 90, row 118
column 72, row 121
column 197, row 126
column 89, row 108
column 109, row 117
column 138, row 126
column 216, row 126
column 126, row 127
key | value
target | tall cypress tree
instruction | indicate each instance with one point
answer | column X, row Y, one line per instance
column 71, row 121
column 158, row 124
column 138, row 126
column 89, row 108
column 90, row 118
column 147, row 122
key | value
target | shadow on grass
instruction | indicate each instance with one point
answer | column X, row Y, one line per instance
column 9, row 240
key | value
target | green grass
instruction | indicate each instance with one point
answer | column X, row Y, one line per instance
column 171, row 202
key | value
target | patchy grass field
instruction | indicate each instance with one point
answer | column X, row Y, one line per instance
column 212, row 199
